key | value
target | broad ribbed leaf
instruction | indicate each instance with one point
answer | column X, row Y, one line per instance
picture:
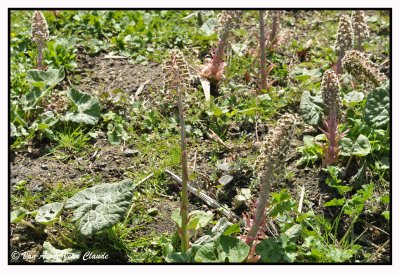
column 101, row 206
column 47, row 79
column 49, row 213
column 377, row 107
column 311, row 108
column 87, row 108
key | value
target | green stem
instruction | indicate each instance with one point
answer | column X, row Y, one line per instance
column 185, row 175
column 38, row 230
column 347, row 165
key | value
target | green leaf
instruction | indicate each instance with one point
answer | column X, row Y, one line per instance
column 377, row 107
column 361, row 147
column 101, row 206
column 231, row 249
column 47, row 79
column 311, row 108
column 54, row 255
column 271, row 250
column 177, row 257
column 198, row 219
column 235, row 228
column 49, row 213
column 87, row 108
column 353, row 97
column 308, row 141
column 176, row 217
column 386, row 214
column 293, row 231
column 303, row 74
column 346, row 146
column 206, row 254
column 17, row 215
column 335, row 202
column 359, row 178
column 209, row 26
column 224, row 250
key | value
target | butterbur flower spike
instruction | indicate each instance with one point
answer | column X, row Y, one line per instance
column 276, row 15
column 359, row 66
column 40, row 33
column 344, row 40
column 272, row 155
column 330, row 90
column 360, row 27
column 176, row 64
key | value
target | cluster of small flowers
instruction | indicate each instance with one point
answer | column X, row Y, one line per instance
column 176, row 71
column 40, row 30
column 359, row 65
column 226, row 20
column 359, row 24
column 276, row 145
column 330, row 90
column 345, row 35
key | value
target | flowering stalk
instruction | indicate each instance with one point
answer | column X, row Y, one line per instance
column 360, row 27
column 176, row 76
column 262, row 52
column 273, row 152
column 276, row 15
column 40, row 34
column 358, row 65
column 344, row 40
column 331, row 97
column 213, row 69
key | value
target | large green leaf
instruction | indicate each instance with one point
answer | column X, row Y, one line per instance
column 49, row 213
column 54, row 255
column 206, row 254
column 311, row 108
column 361, row 147
column 231, row 249
column 87, row 107
column 377, row 107
column 101, row 206
column 46, row 79
column 225, row 250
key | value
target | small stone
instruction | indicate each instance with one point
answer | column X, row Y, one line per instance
column 239, row 200
column 152, row 211
column 44, row 167
column 257, row 145
column 130, row 152
column 225, row 179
